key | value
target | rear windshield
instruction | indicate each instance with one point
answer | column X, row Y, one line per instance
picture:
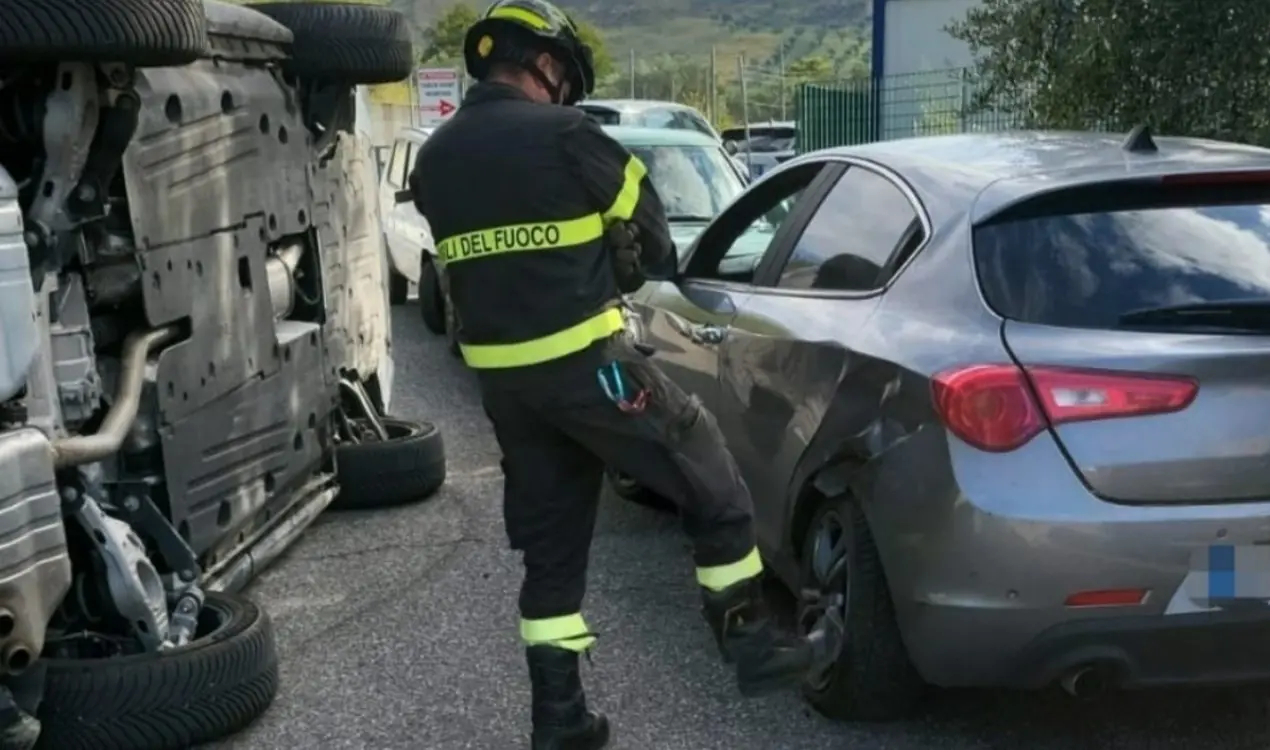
column 763, row 140
column 603, row 115
column 1087, row 269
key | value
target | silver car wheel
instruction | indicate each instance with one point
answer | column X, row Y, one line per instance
column 822, row 610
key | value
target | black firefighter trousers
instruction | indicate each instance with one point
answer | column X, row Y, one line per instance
column 559, row 430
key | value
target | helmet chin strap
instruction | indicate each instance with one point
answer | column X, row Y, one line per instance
column 555, row 91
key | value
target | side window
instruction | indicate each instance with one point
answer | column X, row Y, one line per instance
column 737, row 241
column 848, row 242
column 409, row 163
column 396, row 165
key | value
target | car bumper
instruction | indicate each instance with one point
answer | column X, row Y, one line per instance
column 1193, row 649
column 982, row 552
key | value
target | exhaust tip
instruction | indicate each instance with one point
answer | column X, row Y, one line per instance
column 17, row 658
column 1087, row 682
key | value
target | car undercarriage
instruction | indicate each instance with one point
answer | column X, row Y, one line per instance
column 195, row 324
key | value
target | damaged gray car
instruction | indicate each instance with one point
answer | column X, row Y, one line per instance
column 196, row 358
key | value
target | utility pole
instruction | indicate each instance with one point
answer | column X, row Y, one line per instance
column 632, row 72
column 782, row 72
column 745, row 112
column 713, row 88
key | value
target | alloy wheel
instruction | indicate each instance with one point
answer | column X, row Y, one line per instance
column 822, row 610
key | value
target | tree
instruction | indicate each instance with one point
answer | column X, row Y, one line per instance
column 592, row 35
column 1184, row 67
column 809, row 69
column 443, row 40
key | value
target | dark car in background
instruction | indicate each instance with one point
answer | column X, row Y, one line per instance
column 760, row 146
column 1001, row 400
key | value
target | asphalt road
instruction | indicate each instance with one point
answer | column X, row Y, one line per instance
column 398, row 631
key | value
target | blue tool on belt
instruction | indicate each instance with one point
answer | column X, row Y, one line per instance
column 614, row 385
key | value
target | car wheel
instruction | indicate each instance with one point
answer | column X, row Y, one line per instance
column 181, row 697
column 345, row 42
column 628, row 489
column 864, row 672
column 431, row 301
column 398, row 288
column 373, row 473
column 120, row 31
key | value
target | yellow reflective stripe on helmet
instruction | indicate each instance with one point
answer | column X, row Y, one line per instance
column 547, row 235
column 719, row 577
column 623, row 207
column 527, row 17
column 535, row 351
column 568, row 632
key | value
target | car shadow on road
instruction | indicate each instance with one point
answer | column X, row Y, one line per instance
column 1199, row 719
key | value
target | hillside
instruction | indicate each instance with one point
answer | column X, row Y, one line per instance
column 692, row 27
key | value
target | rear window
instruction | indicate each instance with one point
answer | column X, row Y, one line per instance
column 603, row 115
column 1086, row 269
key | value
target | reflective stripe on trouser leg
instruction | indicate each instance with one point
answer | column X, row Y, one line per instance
column 719, row 577
column 568, row 632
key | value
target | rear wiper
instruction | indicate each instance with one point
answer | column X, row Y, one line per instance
column 1246, row 315
column 689, row 217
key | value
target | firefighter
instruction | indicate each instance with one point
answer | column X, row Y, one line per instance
column 541, row 221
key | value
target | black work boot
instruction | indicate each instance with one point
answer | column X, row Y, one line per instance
column 767, row 658
column 561, row 718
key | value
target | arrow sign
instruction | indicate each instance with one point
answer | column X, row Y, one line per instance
column 439, row 90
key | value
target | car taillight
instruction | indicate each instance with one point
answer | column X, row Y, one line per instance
column 995, row 407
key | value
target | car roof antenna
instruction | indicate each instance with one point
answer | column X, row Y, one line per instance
column 1140, row 141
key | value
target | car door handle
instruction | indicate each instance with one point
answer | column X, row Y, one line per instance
column 708, row 333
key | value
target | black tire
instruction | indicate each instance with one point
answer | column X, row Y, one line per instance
column 408, row 467
column 345, row 42
column 167, row 700
column 872, row 678
column 138, row 32
column 398, row 288
column 431, row 300
column 626, row 488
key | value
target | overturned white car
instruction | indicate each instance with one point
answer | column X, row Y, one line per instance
column 196, row 357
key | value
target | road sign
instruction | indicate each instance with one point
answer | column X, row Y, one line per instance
column 439, row 92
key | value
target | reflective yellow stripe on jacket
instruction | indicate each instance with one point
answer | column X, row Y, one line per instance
column 536, row 351
column 546, row 235
column 515, row 238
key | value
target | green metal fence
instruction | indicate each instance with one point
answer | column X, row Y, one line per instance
column 843, row 113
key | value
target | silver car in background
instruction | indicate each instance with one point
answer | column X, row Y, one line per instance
column 1002, row 403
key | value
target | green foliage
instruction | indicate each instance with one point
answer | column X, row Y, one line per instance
column 1182, row 66
column 360, row 2
column 443, row 40
column 592, row 35
column 810, row 68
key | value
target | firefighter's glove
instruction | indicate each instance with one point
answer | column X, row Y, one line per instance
column 622, row 241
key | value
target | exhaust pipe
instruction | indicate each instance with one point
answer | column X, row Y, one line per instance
column 280, row 276
column 17, row 658
column 1086, row 682
column 86, row 449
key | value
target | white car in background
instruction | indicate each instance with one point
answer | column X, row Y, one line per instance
column 406, row 233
